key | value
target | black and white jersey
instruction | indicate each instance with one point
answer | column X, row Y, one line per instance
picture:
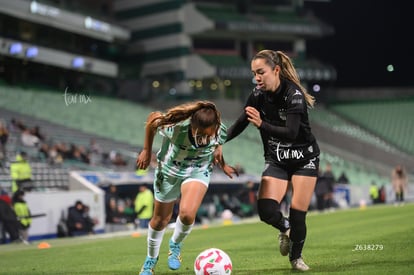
column 285, row 130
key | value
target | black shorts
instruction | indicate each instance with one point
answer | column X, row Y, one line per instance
column 308, row 168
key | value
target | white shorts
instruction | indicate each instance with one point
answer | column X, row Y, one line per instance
column 167, row 188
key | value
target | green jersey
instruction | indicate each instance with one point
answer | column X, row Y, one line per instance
column 180, row 157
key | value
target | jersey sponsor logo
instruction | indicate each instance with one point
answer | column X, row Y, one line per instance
column 282, row 153
column 297, row 92
column 311, row 164
column 184, row 164
column 195, row 158
column 297, row 98
column 297, row 101
column 273, row 143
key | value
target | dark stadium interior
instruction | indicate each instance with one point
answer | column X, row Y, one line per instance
column 369, row 35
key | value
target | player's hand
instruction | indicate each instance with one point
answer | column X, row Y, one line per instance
column 229, row 170
column 253, row 116
column 218, row 156
column 143, row 159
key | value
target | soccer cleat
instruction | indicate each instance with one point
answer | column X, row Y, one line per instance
column 174, row 255
column 284, row 243
column 148, row 267
column 299, row 264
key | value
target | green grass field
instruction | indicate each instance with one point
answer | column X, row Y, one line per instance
column 375, row 240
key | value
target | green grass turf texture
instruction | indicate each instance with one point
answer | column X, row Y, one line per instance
column 375, row 240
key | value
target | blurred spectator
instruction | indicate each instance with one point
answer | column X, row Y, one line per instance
column 62, row 149
column 21, row 173
column 115, row 218
column 114, row 210
column 76, row 223
column 80, row 154
column 4, row 137
column 8, row 219
column 5, row 196
column 399, row 181
column 374, row 193
column 382, row 194
column 321, row 191
column 36, row 132
column 71, row 152
column 55, row 156
column 44, row 152
column 116, row 158
column 129, row 211
column 84, row 154
column 94, row 147
column 231, row 203
column 89, row 221
column 94, row 150
column 111, row 194
column 106, row 160
column 23, row 214
column 330, row 182
column 17, row 125
column 248, row 199
column 28, row 139
column 144, row 205
column 343, row 179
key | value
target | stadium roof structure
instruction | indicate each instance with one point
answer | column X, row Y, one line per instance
column 201, row 40
column 261, row 23
column 63, row 19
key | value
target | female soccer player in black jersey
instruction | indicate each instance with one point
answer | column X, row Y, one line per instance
column 278, row 107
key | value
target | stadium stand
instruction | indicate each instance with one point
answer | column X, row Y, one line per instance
column 119, row 130
column 390, row 120
column 338, row 124
column 48, row 176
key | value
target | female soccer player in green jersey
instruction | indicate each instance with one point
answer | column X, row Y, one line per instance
column 191, row 133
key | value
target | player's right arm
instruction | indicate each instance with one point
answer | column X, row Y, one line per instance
column 144, row 157
column 219, row 160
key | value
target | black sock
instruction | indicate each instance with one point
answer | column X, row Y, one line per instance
column 297, row 234
column 269, row 212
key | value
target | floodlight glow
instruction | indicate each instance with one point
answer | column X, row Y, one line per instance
column 32, row 52
column 16, row 48
column 78, row 62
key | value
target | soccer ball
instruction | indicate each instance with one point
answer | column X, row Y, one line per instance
column 213, row 261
